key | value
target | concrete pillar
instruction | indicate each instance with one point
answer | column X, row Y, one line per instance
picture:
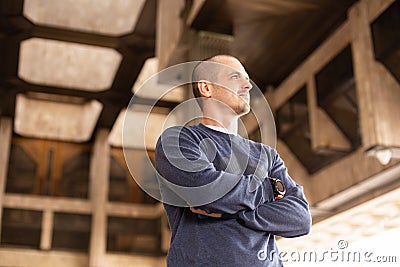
column 99, row 180
column 5, row 143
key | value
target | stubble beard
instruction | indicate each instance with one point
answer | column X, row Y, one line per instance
column 242, row 108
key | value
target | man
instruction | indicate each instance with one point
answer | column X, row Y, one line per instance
column 252, row 198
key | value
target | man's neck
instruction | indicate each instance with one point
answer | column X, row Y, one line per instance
column 230, row 125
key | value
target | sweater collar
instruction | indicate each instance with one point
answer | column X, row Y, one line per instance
column 219, row 129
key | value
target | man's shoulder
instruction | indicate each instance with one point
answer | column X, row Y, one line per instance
column 180, row 133
column 178, row 130
column 261, row 146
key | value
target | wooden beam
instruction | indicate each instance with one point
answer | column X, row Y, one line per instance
column 376, row 185
column 114, row 259
column 313, row 64
column 47, row 230
column 296, row 170
column 344, row 173
column 28, row 257
column 377, row 91
column 325, row 134
column 165, row 233
column 135, row 192
column 169, row 29
column 376, row 7
column 99, row 179
column 324, row 53
column 59, row 204
column 273, row 7
column 194, row 11
column 5, row 143
column 130, row 210
column 291, row 4
column 365, row 80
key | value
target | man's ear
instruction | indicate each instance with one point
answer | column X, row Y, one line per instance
column 204, row 88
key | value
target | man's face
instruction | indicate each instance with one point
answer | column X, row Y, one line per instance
column 233, row 86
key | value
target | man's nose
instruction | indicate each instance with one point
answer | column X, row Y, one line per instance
column 247, row 84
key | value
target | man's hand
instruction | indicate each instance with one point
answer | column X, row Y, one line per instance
column 202, row 212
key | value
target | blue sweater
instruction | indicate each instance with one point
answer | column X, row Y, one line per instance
column 244, row 236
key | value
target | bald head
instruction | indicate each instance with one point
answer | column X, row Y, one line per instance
column 223, row 59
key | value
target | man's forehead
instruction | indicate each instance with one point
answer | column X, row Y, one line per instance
column 229, row 65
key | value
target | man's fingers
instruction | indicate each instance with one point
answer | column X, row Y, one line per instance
column 202, row 212
column 198, row 211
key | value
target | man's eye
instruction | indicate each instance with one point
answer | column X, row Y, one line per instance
column 235, row 76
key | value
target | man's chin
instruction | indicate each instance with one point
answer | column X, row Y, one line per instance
column 243, row 110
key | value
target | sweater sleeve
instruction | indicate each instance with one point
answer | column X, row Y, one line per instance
column 197, row 183
column 286, row 217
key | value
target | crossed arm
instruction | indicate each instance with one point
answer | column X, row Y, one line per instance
column 252, row 207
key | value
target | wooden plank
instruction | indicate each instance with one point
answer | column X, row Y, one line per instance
column 377, row 95
column 376, row 7
column 114, row 259
column 362, row 49
column 135, row 192
column 364, row 190
column 295, row 169
column 99, row 179
column 43, row 148
column 56, row 170
column 326, row 52
column 134, row 210
column 294, row 5
column 273, row 7
column 33, row 258
column 343, row 174
column 325, row 134
column 329, row 136
column 386, row 102
column 386, row 94
column 70, row 205
column 47, row 230
column 59, row 204
column 169, row 29
column 165, row 233
column 314, row 63
column 5, row 143
column 377, row 91
column 194, row 11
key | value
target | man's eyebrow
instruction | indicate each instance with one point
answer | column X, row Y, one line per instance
column 244, row 74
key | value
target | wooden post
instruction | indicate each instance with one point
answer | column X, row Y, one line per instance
column 296, row 170
column 5, row 143
column 194, row 11
column 165, row 233
column 47, row 229
column 99, row 179
column 377, row 91
column 362, row 49
column 169, row 29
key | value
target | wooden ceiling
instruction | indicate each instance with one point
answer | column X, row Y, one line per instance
column 272, row 37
